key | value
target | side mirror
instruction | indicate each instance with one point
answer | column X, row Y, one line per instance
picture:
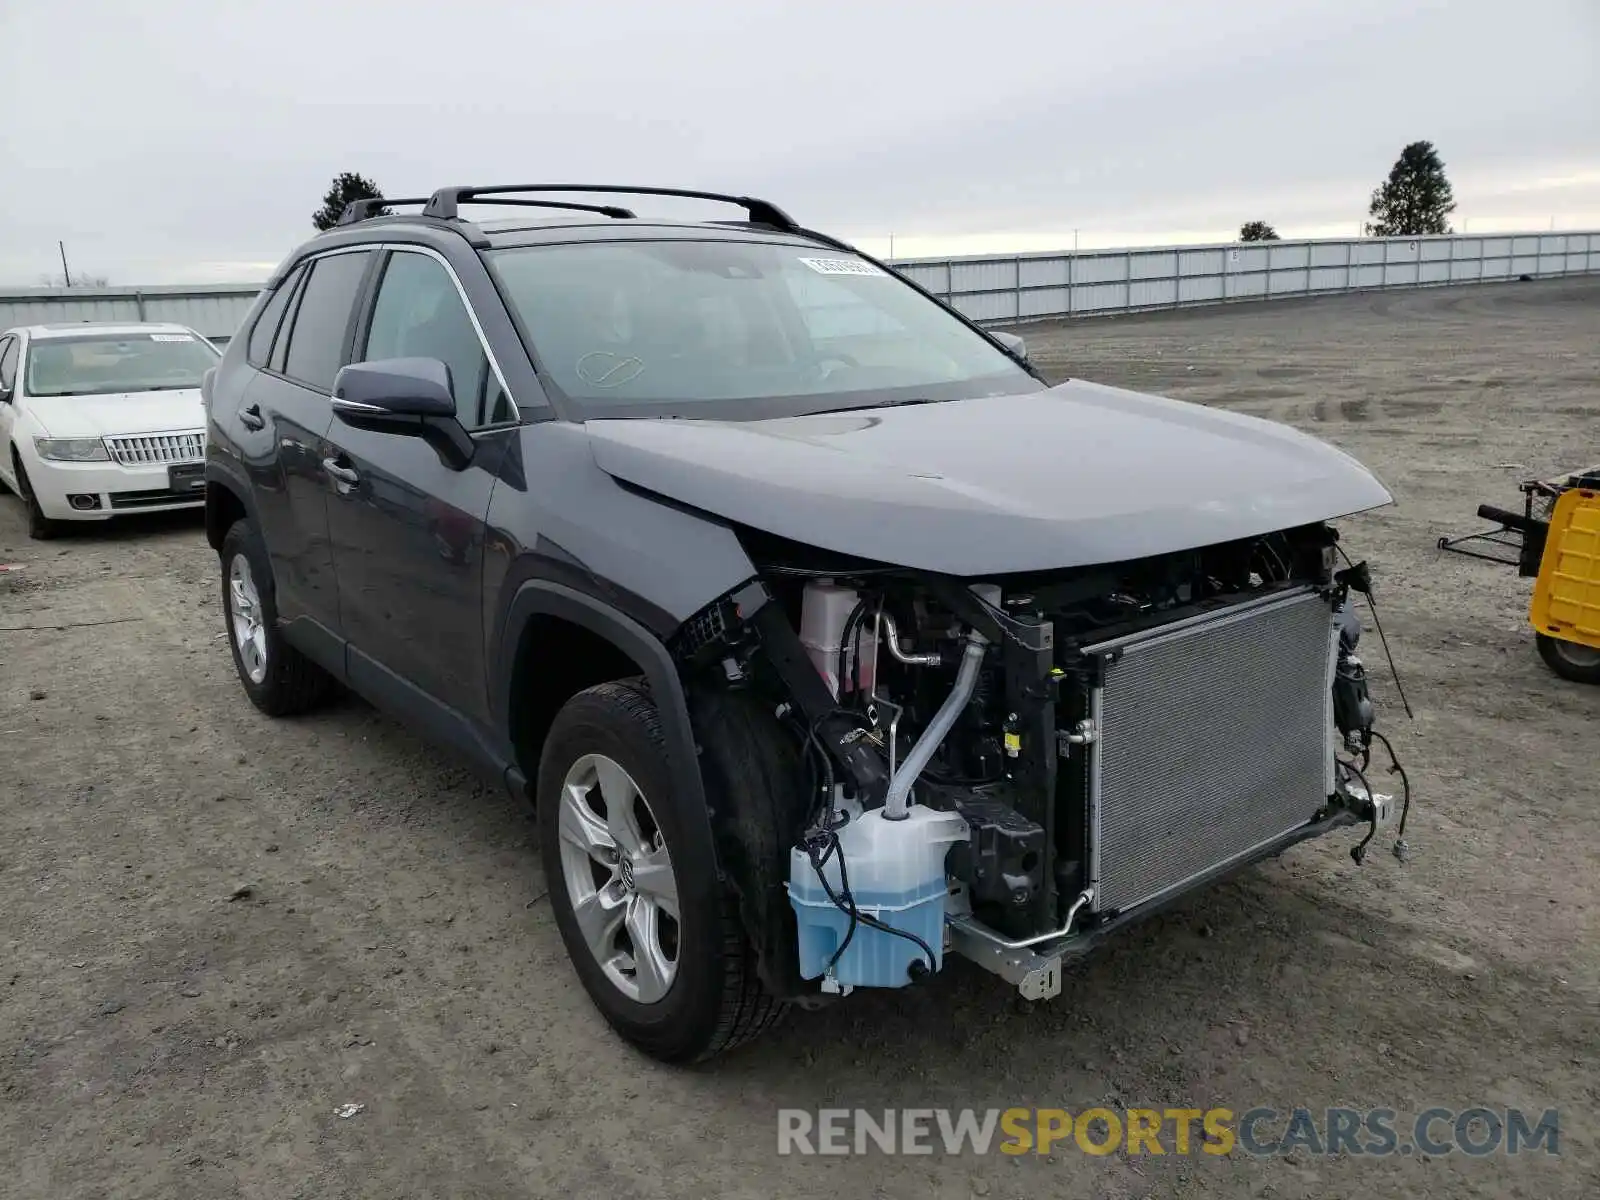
column 1013, row 343
column 407, row 396
column 374, row 392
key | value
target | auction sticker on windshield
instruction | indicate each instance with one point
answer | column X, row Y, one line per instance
column 840, row 266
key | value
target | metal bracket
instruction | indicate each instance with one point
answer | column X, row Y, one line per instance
column 1384, row 810
column 1037, row 976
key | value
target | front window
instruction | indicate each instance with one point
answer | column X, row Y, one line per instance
column 95, row 364
column 733, row 328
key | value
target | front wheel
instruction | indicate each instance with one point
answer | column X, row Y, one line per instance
column 1581, row 664
column 40, row 527
column 655, row 941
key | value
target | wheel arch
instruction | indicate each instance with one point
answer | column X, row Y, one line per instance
column 540, row 607
column 227, row 500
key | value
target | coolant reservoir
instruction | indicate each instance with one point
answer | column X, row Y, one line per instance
column 896, row 873
column 824, row 609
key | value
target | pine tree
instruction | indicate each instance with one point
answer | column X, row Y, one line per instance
column 347, row 187
column 1415, row 199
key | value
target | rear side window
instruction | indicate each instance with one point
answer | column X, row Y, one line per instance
column 322, row 320
column 266, row 326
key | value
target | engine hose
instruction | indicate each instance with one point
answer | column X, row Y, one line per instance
column 896, row 802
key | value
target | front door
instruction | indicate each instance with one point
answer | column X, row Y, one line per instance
column 406, row 521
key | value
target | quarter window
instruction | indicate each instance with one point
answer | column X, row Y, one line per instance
column 266, row 326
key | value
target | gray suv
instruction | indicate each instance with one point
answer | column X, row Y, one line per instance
column 828, row 637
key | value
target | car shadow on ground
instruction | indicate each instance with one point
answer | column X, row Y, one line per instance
column 132, row 527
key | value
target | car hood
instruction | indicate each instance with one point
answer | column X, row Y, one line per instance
column 1070, row 476
column 119, row 413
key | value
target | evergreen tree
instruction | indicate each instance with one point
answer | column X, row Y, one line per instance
column 347, row 187
column 1415, row 199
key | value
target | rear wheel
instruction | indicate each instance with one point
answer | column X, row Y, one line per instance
column 40, row 527
column 655, row 941
column 1581, row 664
column 279, row 680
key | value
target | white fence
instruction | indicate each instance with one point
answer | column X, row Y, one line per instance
column 1030, row 287
column 1013, row 287
column 214, row 310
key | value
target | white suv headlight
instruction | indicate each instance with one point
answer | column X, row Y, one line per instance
column 71, row 449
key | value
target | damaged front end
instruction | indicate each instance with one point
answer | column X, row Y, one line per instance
column 1013, row 767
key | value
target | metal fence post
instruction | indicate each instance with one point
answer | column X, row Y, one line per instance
column 138, row 303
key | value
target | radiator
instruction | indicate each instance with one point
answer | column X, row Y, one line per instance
column 1214, row 738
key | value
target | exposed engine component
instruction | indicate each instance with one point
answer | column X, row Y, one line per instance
column 1033, row 760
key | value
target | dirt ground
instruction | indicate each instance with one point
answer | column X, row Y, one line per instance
column 159, row 1039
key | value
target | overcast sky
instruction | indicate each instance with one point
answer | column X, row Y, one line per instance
column 190, row 140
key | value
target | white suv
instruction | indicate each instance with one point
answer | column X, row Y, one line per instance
column 98, row 420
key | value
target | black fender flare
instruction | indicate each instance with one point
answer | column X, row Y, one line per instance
column 540, row 597
column 225, row 476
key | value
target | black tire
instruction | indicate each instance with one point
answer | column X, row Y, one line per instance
column 40, row 527
column 715, row 1001
column 292, row 683
column 1569, row 660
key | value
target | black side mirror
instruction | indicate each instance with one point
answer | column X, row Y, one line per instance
column 1014, row 344
column 410, row 396
column 394, row 387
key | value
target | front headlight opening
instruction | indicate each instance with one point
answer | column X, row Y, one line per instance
column 71, row 449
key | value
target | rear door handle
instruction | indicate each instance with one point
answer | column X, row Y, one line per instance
column 348, row 476
column 251, row 417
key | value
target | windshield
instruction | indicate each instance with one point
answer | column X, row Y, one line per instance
column 651, row 328
column 98, row 363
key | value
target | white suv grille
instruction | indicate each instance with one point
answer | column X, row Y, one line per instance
column 152, row 448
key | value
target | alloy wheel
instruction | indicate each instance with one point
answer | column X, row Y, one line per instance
column 244, row 613
column 619, row 878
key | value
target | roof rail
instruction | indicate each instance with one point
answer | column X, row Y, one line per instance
column 361, row 210
column 446, row 201
column 605, row 210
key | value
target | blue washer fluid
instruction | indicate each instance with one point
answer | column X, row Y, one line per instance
column 897, row 875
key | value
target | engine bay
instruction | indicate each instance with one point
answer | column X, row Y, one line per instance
column 949, row 736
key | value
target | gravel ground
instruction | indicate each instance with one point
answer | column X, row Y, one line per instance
column 167, row 1034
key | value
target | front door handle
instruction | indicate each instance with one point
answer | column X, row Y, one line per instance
column 348, row 476
column 251, row 417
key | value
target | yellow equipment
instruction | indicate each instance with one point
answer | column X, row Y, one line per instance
column 1566, row 595
column 1560, row 548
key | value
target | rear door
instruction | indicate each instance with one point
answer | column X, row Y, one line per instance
column 407, row 525
column 286, row 414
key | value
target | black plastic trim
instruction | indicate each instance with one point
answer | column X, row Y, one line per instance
column 543, row 598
